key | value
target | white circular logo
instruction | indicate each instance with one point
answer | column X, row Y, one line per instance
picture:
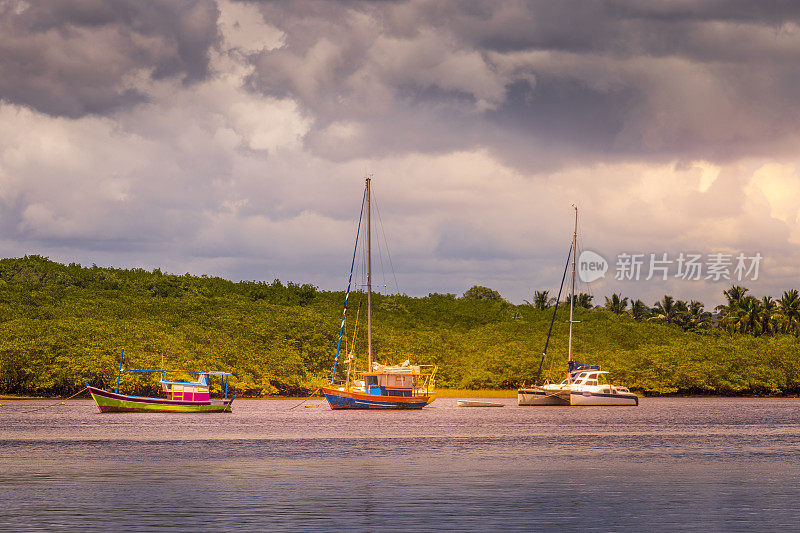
column 591, row 266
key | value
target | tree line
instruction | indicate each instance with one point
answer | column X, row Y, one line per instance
column 64, row 325
column 742, row 313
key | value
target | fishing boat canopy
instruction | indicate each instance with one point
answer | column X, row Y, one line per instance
column 396, row 380
column 202, row 376
column 194, row 391
column 198, row 390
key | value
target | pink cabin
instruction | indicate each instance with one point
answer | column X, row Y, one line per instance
column 187, row 391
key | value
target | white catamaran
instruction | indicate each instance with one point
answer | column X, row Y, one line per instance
column 584, row 384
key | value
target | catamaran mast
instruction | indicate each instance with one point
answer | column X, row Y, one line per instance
column 369, row 283
column 572, row 291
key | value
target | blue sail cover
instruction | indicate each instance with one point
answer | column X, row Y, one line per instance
column 574, row 366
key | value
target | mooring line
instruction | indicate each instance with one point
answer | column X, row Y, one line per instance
column 56, row 404
column 305, row 400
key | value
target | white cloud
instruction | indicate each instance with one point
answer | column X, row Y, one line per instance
column 243, row 28
column 779, row 186
column 709, row 173
column 267, row 124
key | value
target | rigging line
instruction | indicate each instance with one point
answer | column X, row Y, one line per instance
column 552, row 320
column 388, row 254
column 378, row 241
column 550, row 368
column 581, row 248
column 349, row 281
column 353, row 344
column 380, row 260
column 361, row 273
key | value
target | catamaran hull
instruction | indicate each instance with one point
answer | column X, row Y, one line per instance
column 542, row 397
column 339, row 399
column 599, row 398
column 111, row 402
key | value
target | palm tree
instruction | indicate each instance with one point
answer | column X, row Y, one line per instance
column 789, row 312
column 616, row 304
column 696, row 317
column 768, row 316
column 541, row 300
column 639, row 310
column 681, row 312
column 666, row 310
column 745, row 318
column 734, row 295
column 584, row 300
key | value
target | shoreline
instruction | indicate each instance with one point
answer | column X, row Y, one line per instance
column 442, row 393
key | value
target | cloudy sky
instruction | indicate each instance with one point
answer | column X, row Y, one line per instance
column 232, row 138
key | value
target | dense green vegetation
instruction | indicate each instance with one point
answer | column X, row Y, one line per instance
column 62, row 325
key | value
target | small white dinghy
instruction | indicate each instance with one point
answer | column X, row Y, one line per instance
column 475, row 403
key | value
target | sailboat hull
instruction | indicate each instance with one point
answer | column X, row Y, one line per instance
column 540, row 397
column 339, row 399
column 599, row 398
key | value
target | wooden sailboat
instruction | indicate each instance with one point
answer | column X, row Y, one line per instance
column 584, row 384
column 180, row 396
column 403, row 386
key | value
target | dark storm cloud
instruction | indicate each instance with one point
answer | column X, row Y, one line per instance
column 76, row 57
column 597, row 79
column 624, row 27
column 230, row 138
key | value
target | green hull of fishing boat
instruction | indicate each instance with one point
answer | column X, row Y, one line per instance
column 110, row 402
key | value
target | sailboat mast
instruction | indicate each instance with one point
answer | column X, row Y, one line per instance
column 572, row 291
column 369, row 281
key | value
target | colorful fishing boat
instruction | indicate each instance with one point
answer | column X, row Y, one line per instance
column 403, row 386
column 180, row 396
column 584, row 384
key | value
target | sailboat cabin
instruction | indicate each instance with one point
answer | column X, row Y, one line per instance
column 392, row 380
